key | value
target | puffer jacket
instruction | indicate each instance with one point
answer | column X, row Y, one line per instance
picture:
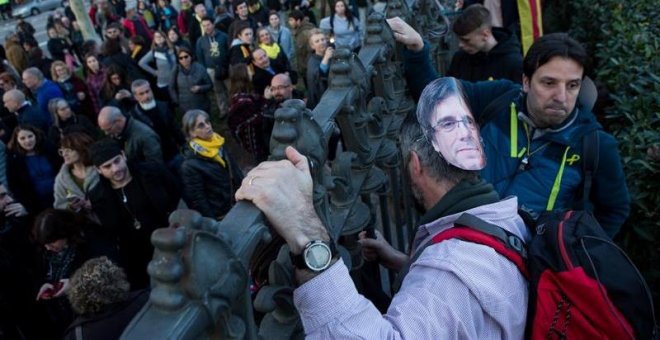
column 206, row 184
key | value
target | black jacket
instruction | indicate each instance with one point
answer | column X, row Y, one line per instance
column 110, row 323
column 162, row 195
column 161, row 120
column 504, row 61
column 206, row 184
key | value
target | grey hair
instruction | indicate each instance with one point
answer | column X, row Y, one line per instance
column 96, row 285
column 16, row 95
column 52, row 108
column 189, row 119
column 35, row 72
column 138, row 83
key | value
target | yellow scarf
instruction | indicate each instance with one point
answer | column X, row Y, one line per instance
column 272, row 51
column 209, row 149
column 135, row 52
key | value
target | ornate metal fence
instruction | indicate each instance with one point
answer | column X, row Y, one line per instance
column 201, row 268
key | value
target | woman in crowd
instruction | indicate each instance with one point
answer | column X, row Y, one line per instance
column 245, row 121
column 100, row 294
column 64, row 119
column 137, row 48
column 58, row 46
column 146, row 10
column 113, row 55
column 162, row 54
column 31, row 168
column 190, row 83
column 343, row 27
column 318, row 67
column 77, row 175
column 210, row 175
column 117, row 89
column 280, row 34
column 66, row 241
column 273, row 50
column 175, row 38
column 74, row 89
column 166, row 15
column 95, row 74
column 241, row 46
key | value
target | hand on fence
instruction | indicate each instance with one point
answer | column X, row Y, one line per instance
column 282, row 190
column 379, row 250
column 405, row 34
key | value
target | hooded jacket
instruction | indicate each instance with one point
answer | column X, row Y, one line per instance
column 503, row 61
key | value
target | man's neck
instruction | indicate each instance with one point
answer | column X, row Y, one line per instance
column 121, row 184
column 491, row 42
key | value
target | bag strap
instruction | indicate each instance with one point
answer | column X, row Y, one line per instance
column 496, row 106
column 590, row 160
column 470, row 228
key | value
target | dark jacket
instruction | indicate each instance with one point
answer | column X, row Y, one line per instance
column 140, row 142
column 56, row 47
column 218, row 61
column 32, row 115
column 162, row 195
column 161, row 120
column 110, row 323
column 76, row 123
column 556, row 165
column 206, row 184
column 20, row 183
column 239, row 52
column 183, row 80
column 317, row 81
column 503, row 61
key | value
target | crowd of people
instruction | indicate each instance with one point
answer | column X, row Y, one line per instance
column 100, row 142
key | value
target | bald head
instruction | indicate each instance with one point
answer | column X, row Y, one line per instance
column 111, row 121
column 281, row 88
column 13, row 100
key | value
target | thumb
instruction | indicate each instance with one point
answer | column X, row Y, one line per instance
column 369, row 242
column 298, row 159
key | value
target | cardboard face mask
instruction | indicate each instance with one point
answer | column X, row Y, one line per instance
column 456, row 134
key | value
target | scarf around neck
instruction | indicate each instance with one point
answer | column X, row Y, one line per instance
column 209, row 149
column 466, row 195
column 271, row 51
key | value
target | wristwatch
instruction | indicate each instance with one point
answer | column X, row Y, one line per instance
column 316, row 256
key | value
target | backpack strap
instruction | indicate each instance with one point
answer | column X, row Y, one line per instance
column 590, row 159
column 470, row 228
column 495, row 107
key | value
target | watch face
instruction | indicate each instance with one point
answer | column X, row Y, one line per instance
column 318, row 256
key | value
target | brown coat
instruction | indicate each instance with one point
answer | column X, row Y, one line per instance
column 301, row 39
column 16, row 55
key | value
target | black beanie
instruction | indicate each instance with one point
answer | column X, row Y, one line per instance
column 103, row 150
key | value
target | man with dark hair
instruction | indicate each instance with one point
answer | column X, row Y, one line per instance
column 131, row 200
column 211, row 51
column 486, row 52
column 195, row 25
column 454, row 289
column 541, row 142
column 300, row 29
column 241, row 15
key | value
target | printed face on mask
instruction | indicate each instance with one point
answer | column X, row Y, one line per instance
column 456, row 135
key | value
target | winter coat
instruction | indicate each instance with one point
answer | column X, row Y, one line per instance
column 503, row 61
column 66, row 186
column 183, row 80
column 207, row 186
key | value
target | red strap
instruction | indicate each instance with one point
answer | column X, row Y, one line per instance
column 475, row 236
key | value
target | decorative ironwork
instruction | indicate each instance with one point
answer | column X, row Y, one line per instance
column 200, row 267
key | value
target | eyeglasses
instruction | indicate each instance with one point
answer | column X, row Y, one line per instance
column 450, row 125
column 184, row 57
column 62, row 151
column 281, row 87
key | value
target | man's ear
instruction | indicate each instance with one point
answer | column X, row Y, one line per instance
column 525, row 83
column 415, row 165
column 98, row 170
